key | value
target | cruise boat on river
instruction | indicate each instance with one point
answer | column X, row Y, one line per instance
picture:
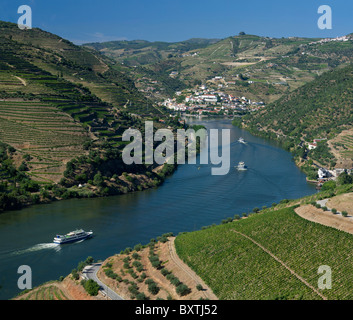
column 72, row 236
column 241, row 140
column 241, row 166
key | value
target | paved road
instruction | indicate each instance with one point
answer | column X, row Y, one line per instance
column 90, row 272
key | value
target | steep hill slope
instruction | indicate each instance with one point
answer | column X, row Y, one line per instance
column 76, row 64
column 319, row 109
column 141, row 52
column 259, row 68
column 274, row 255
column 63, row 110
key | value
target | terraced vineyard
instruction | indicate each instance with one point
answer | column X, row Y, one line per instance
column 49, row 292
column 236, row 268
column 48, row 135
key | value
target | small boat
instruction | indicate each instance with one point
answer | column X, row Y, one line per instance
column 241, row 166
column 241, row 140
column 72, row 236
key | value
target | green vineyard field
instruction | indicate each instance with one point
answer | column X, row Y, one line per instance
column 236, row 268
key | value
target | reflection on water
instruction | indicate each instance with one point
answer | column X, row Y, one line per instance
column 190, row 199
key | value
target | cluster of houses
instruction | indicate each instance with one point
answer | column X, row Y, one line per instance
column 204, row 100
column 338, row 39
column 313, row 145
column 325, row 174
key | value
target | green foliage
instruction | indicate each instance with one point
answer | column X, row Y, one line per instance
column 344, row 178
column 91, row 287
column 329, row 185
column 75, row 274
column 183, row 289
column 220, row 255
column 199, row 287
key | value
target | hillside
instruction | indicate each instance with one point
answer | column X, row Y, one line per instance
column 63, row 111
column 149, row 272
column 273, row 66
column 141, row 52
column 319, row 109
column 274, row 255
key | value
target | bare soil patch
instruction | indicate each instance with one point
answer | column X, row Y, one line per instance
column 343, row 202
column 170, row 261
column 68, row 289
column 326, row 218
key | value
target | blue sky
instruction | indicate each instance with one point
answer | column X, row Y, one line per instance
column 175, row 20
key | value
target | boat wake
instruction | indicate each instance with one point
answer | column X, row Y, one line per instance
column 38, row 247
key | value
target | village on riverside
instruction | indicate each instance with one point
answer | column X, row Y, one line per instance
column 208, row 101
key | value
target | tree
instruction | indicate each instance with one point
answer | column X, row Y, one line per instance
column 141, row 296
column 91, row 287
column 153, row 288
column 98, row 180
column 344, row 178
column 183, row 289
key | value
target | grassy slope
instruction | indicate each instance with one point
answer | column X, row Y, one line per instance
column 58, row 102
column 319, row 109
column 76, row 64
column 140, row 52
column 235, row 268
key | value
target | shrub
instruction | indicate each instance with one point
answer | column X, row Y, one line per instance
column 138, row 247
column 133, row 289
column 334, row 211
column 199, row 287
column 165, row 272
column 141, row 296
column 175, row 281
column 110, row 273
column 91, row 287
column 153, row 288
column 149, row 281
column 344, row 213
column 137, row 264
column 183, row 290
column 75, row 274
column 136, row 256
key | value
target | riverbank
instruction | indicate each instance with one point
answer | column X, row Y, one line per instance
column 188, row 200
column 130, row 275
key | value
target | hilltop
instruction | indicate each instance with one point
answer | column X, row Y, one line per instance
column 63, row 111
column 273, row 255
column 320, row 109
column 260, row 68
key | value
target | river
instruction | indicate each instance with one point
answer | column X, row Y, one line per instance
column 190, row 199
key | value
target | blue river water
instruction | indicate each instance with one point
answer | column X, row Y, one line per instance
column 190, row 199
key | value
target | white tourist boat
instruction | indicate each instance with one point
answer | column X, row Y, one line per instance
column 241, row 140
column 241, row 166
column 72, row 236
